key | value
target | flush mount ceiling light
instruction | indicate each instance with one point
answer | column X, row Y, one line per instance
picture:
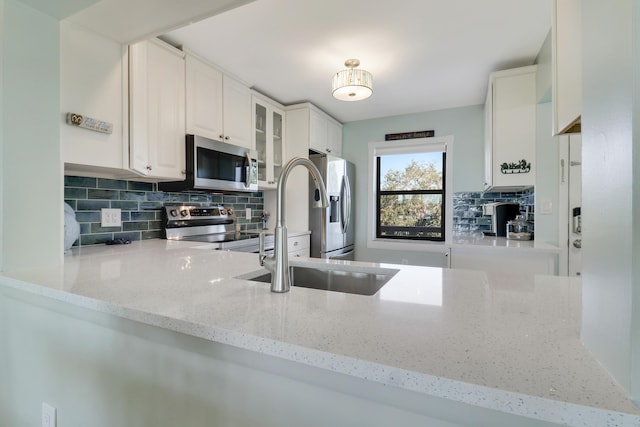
column 352, row 84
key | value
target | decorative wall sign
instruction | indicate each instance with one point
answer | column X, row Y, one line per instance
column 409, row 135
column 521, row 167
column 79, row 120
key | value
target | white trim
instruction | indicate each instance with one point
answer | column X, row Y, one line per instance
column 444, row 143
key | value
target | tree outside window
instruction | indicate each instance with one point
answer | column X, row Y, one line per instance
column 411, row 196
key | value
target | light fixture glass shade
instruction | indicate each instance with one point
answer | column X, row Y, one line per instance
column 352, row 84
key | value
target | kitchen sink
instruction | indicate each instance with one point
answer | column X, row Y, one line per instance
column 348, row 281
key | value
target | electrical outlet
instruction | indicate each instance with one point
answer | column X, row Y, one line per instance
column 48, row 415
column 248, row 213
column 546, row 207
column 111, row 217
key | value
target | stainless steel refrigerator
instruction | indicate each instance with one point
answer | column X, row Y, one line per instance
column 332, row 232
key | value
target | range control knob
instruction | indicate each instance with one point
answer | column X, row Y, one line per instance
column 184, row 212
column 173, row 212
column 223, row 211
column 230, row 211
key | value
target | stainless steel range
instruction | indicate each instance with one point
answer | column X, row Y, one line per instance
column 211, row 224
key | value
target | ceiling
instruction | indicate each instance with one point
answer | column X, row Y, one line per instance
column 424, row 54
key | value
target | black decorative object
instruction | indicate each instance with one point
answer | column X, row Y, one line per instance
column 520, row 167
column 409, row 135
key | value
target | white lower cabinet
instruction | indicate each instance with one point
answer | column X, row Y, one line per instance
column 157, row 110
column 504, row 260
column 299, row 245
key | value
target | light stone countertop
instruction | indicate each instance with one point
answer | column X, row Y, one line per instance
column 499, row 341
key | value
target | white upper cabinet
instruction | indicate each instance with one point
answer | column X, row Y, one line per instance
column 325, row 134
column 510, row 130
column 218, row 106
column 204, row 99
column 269, row 140
column 566, row 67
column 93, row 83
column 157, row 110
column 237, row 112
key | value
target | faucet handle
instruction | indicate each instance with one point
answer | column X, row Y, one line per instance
column 262, row 253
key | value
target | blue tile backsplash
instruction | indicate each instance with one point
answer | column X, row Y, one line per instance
column 467, row 209
column 141, row 206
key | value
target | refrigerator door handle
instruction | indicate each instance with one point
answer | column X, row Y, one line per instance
column 346, row 204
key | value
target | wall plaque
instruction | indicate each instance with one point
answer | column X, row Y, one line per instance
column 81, row 121
column 409, row 135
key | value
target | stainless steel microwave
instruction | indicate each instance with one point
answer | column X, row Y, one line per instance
column 216, row 165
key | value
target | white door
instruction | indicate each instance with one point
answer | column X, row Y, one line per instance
column 575, row 203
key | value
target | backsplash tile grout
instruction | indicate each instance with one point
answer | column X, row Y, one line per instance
column 141, row 207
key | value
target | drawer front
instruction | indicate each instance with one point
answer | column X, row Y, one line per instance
column 299, row 242
column 299, row 253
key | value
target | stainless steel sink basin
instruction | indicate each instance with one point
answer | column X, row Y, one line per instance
column 352, row 282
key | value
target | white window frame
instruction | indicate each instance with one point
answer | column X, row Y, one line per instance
column 418, row 145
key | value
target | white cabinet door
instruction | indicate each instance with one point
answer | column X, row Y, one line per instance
column 237, row 112
column 93, row 83
column 334, row 138
column 508, row 261
column 512, row 129
column 317, row 131
column 567, row 67
column 325, row 134
column 157, row 99
column 204, row 99
column 218, row 107
column 269, row 141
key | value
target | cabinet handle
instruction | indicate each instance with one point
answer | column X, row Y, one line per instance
column 226, row 138
column 328, row 150
column 221, row 136
column 183, row 172
column 149, row 167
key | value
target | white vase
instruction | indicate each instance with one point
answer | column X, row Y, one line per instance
column 71, row 228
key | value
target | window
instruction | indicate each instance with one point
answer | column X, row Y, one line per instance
column 410, row 200
column 410, row 194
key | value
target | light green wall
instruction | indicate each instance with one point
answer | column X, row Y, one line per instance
column 31, row 165
column 466, row 124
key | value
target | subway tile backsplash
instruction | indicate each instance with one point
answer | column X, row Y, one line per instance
column 141, row 206
column 467, row 209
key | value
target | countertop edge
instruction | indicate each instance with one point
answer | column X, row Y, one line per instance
column 518, row 404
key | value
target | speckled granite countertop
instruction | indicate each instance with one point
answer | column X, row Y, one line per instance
column 498, row 341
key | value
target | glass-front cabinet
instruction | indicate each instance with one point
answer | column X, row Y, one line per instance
column 269, row 141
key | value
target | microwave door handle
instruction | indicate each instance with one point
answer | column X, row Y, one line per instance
column 247, row 179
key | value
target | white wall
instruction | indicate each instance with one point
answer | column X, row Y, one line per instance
column 547, row 177
column 103, row 371
column 610, row 203
column 31, row 193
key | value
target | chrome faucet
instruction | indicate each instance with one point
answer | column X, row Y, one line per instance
column 278, row 263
